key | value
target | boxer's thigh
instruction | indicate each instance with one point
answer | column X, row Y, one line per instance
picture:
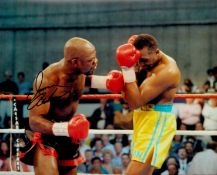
column 67, row 170
column 139, row 168
column 44, row 164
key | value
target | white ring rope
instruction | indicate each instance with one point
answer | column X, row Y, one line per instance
column 91, row 131
column 178, row 132
column 15, row 172
column 12, row 131
column 108, row 131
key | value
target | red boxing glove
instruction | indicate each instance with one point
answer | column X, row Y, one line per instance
column 115, row 81
column 127, row 55
column 132, row 39
column 76, row 128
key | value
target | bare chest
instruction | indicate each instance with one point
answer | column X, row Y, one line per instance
column 64, row 101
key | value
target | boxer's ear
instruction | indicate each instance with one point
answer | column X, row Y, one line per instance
column 157, row 51
column 74, row 61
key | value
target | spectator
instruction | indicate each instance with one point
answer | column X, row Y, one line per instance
column 188, row 87
column 4, row 150
column 189, row 147
column 201, row 140
column 123, row 138
column 172, row 167
column 123, row 119
column 25, row 87
column 8, row 86
column 107, row 161
column 83, row 147
column 190, row 113
column 97, row 166
column 176, row 144
column 116, row 161
column 206, row 87
column 102, row 116
column 97, row 149
column 111, row 127
column 94, row 138
column 182, row 158
column 209, row 113
column 107, row 145
column 116, row 105
column 205, row 162
column 10, row 163
column 125, row 160
column 198, row 144
column 86, row 166
column 5, row 113
column 126, row 149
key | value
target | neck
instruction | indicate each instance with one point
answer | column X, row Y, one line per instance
column 160, row 58
column 68, row 72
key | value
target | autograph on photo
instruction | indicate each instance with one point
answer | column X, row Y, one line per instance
column 41, row 97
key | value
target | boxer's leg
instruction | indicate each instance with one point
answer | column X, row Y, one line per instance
column 139, row 168
column 45, row 164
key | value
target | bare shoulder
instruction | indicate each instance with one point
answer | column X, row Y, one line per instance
column 168, row 71
column 51, row 72
column 48, row 76
column 172, row 69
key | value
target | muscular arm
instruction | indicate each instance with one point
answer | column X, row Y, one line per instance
column 37, row 121
column 151, row 87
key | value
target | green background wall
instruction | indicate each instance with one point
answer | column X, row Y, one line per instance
column 32, row 32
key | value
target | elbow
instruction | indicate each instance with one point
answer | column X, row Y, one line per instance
column 135, row 102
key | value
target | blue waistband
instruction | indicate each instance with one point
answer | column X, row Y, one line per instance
column 157, row 107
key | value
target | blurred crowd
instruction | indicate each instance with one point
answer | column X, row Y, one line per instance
column 110, row 154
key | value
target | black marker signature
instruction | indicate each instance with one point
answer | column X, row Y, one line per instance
column 41, row 97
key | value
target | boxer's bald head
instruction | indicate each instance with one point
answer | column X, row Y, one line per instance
column 78, row 48
column 80, row 55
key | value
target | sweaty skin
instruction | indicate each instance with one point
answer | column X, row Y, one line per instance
column 68, row 76
column 57, row 90
column 158, row 87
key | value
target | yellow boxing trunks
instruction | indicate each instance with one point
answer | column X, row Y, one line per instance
column 154, row 129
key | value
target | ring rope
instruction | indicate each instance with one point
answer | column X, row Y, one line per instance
column 108, row 96
column 15, row 172
column 13, row 99
column 12, row 131
column 110, row 131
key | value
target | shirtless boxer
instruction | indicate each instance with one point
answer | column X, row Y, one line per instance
column 54, row 147
column 154, row 125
